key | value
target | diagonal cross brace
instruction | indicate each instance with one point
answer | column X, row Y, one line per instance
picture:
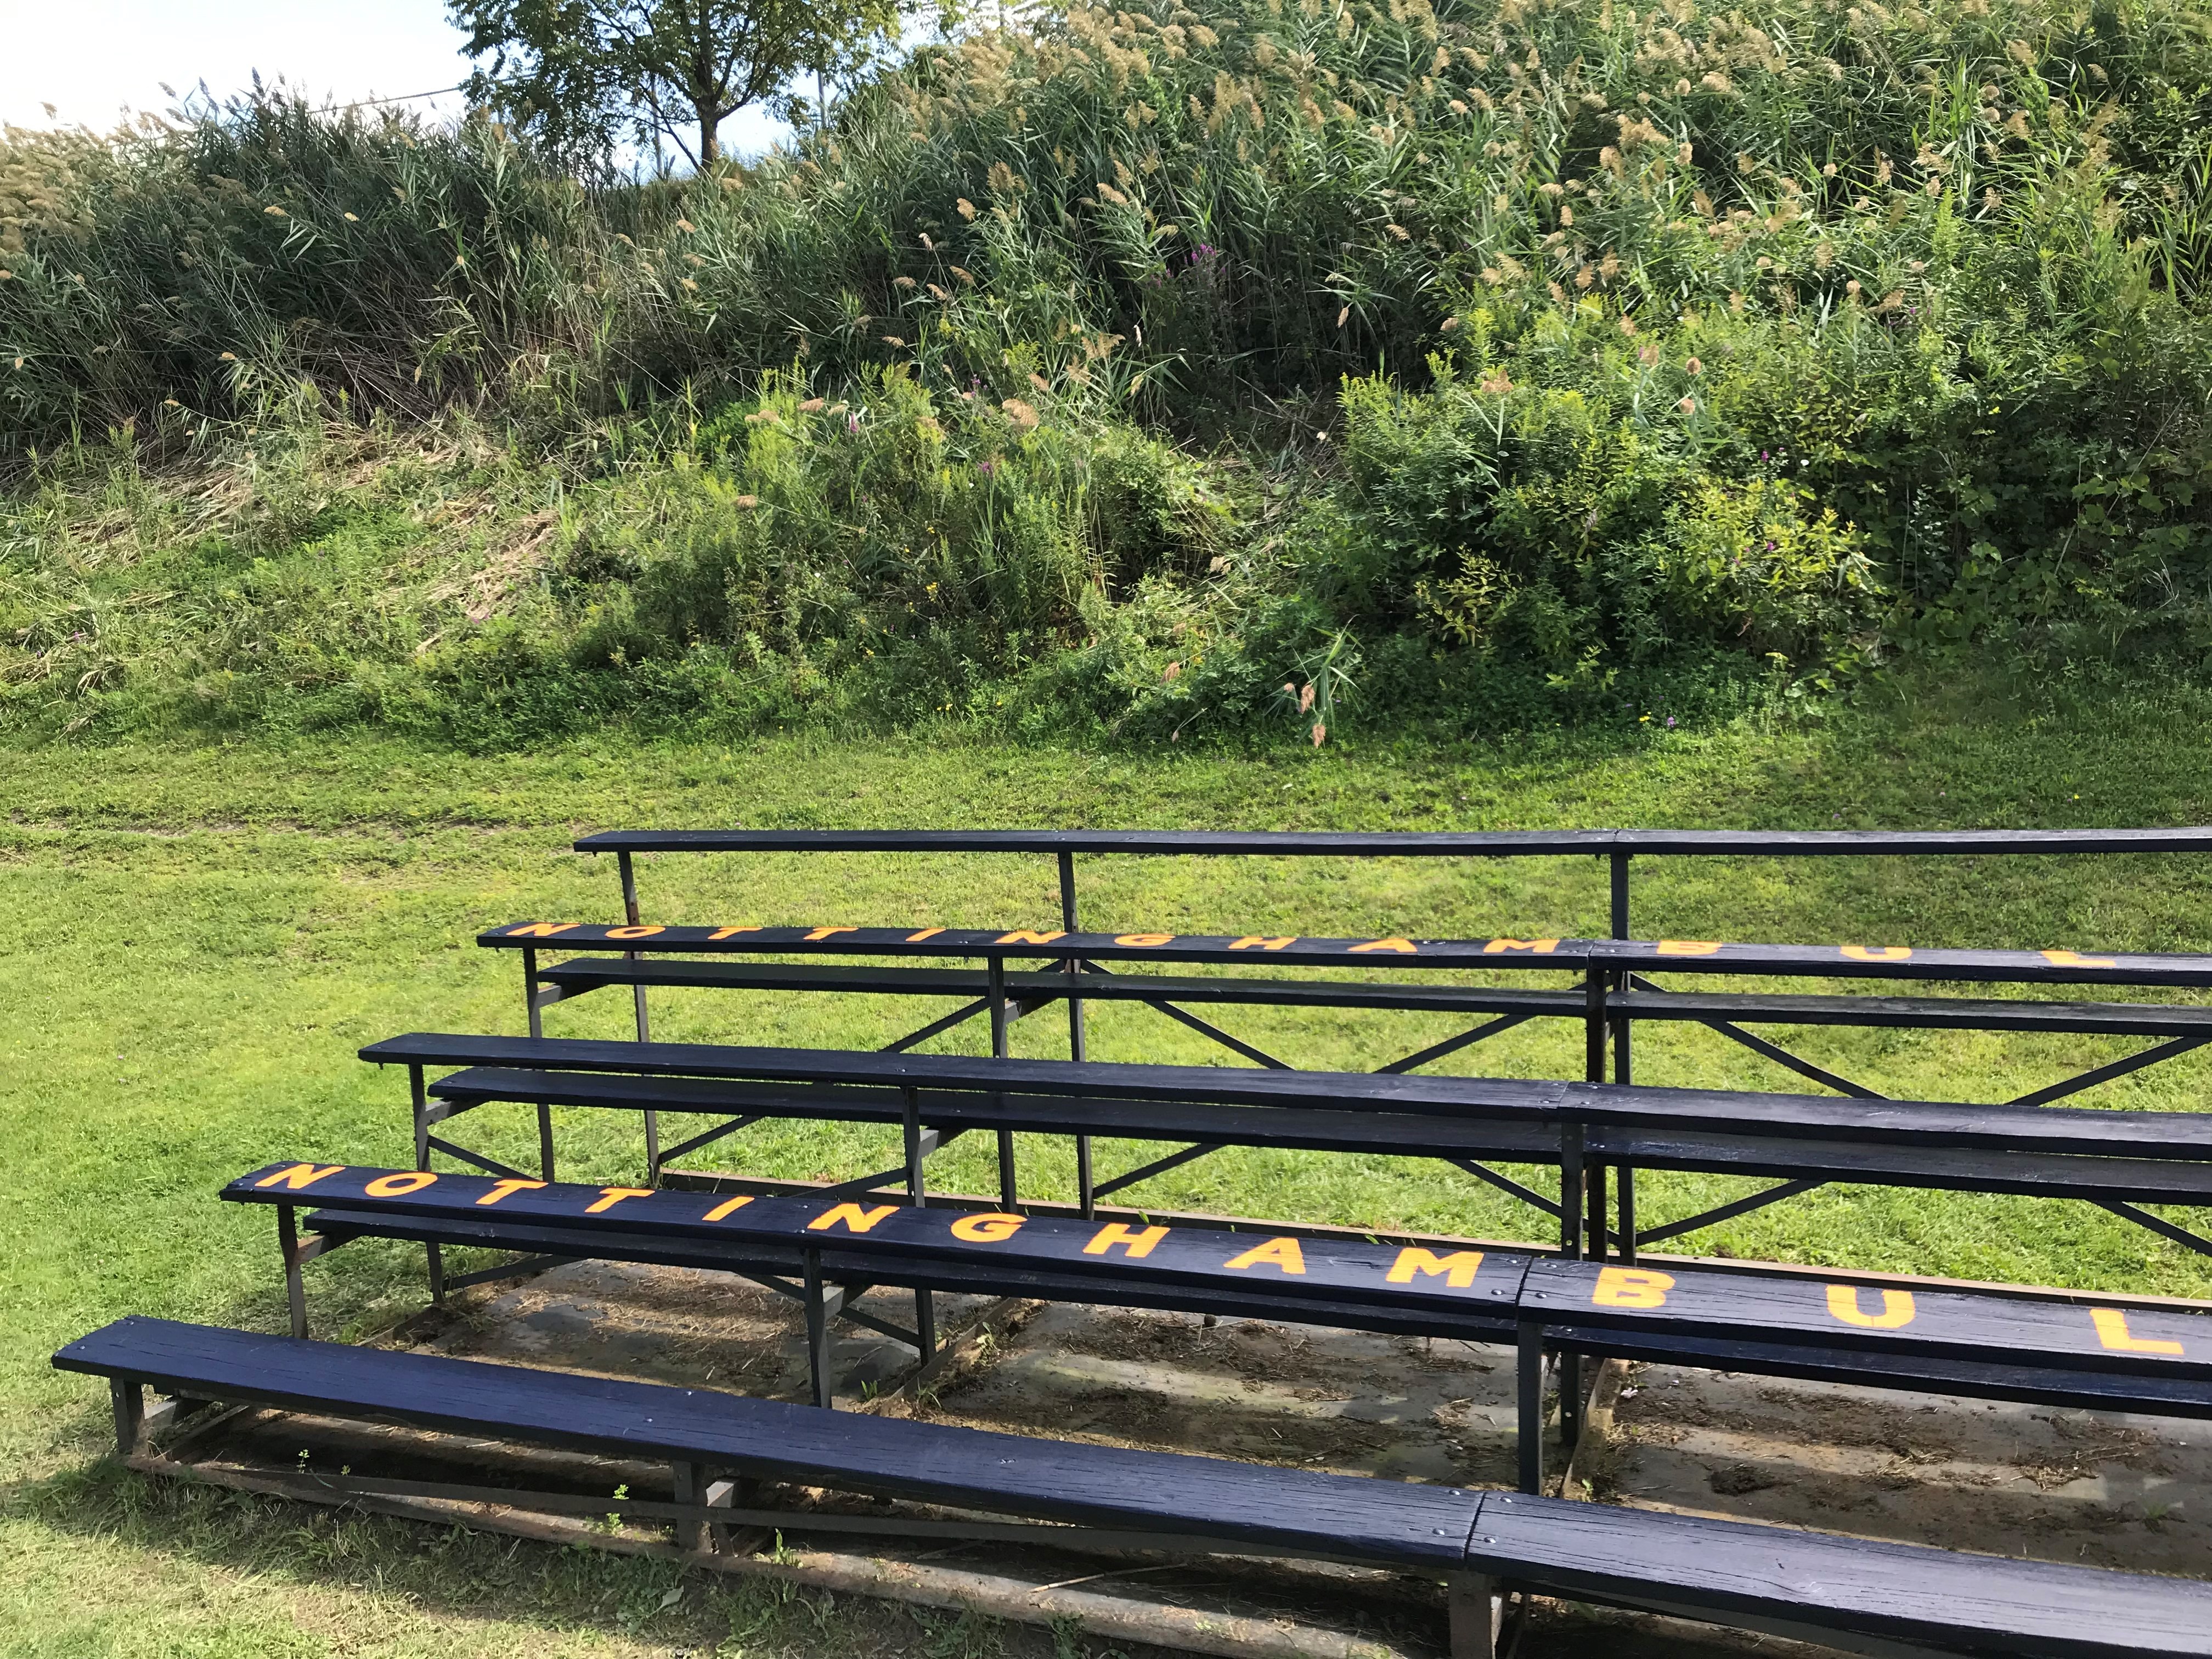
column 1453, row 1045
column 1208, row 1028
column 1157, row 1166
column 1506, row 1183
column 1758, row 1200
column 2110, row 1069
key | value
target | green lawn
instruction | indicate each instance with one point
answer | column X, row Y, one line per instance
column 199, row 939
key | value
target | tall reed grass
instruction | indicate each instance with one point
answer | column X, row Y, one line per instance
column 1576, row 339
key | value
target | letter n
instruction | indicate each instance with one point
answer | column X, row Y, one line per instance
column 299, row 1175
column 854, row 1218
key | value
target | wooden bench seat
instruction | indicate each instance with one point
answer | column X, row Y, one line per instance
column 1034, row 990
column 1731, row 1573
column 1696, row 1315
column 2180, row 1136
column 577, row 974
column 1397, row 952
column 1888, row 1164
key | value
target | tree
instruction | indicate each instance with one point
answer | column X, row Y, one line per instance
column 581, row 74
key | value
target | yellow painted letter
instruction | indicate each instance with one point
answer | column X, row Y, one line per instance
column 1688, row 947
column 926, row 933
column 1142, row 938
column 1632, row 1287
column 399, row 1186
column 1138, row 1243
column 727, row 1206
column 1877, row 952
column 1896, row 1309
column 1458, row 1268
column 729, row 933
column 611, row 1196
column 541, row 929
column 642, row 930
column 1404, row 947
column 1254, row 942
column 824, row 933
column 504, row 1188
column 299, row 1175
column 2074, row 959
column 1025, row 936
column 858, row 1220
column 2112, row 1331
column 1282, row 1252
column 1542, row 947
column 987, row 1229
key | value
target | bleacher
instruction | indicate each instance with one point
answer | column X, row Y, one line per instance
column 1595, row 1293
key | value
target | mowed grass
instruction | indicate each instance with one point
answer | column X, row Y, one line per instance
column 197, row 941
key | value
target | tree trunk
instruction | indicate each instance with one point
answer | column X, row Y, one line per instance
column 710, row 145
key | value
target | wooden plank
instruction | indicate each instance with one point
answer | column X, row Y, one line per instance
column 1401, row 1134
column 1043, row 944
column 2144, row 1134
column 1465, row 1282
column 1745, row 1305
column 1964, row 1325
column 1731, row 1569
column 1925, row 1013
column 1940, row 1167
column 580, row 974
column 1000, row 1278
column 2066, row 1386
column 2052, row 966
column 1341, row 1515
column 2050, row 1175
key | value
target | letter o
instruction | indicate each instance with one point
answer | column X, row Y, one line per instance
column 400, row 1185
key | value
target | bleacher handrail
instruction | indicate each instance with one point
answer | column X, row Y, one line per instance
column 1408, row 843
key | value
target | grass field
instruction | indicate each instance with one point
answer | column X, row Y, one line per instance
column 197, row 941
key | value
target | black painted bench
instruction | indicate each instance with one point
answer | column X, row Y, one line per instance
column 2076, row 1351
column 2119, row 1159
column 1728, row 1573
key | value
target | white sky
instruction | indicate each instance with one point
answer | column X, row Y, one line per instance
column 93, row 59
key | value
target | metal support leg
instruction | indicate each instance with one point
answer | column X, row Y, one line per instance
column 997, row 993
column 1085, row 1199
column 1624, row 1216
column 538, row 1029
column 129, row 1395
column 1625, row 1177
column 1573, row 1181
column 917, row 1193
column 688, row 1488
column 1571, row 1191
column 295, row 1293
column 644, row 1028
column 818, row 1333
column 1528, row 1431
column 1594, row 988
column 435, row 1255
column 1476, row 1610
column 1594, row 1227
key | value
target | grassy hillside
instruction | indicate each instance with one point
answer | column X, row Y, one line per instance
column 1492, row 364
